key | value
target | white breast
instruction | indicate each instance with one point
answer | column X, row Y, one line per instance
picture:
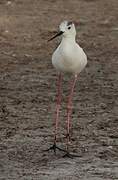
column 69, row 57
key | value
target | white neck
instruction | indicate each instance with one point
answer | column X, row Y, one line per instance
column 70, row 38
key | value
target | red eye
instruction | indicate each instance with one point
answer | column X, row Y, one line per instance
column 69, row 27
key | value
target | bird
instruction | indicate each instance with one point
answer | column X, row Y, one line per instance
column 68, row 58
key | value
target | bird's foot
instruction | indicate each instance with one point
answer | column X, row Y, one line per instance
column 70, row 155
column 54, row 147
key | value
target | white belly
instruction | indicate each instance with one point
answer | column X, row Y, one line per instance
column 69, row 60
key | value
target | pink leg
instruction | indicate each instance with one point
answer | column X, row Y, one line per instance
column 59, row 83
column 69, row 109
column 58, row 104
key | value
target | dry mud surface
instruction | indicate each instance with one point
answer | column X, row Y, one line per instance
column 27, row 91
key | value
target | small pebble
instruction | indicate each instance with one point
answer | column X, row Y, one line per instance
column 9, row 2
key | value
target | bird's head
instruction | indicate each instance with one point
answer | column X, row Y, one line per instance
column 67, row 29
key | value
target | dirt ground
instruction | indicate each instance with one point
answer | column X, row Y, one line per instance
column 28, row 88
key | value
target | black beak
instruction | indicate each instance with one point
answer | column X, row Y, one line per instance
column 58, row 34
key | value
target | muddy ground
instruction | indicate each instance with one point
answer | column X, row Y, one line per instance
column 27, row 91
